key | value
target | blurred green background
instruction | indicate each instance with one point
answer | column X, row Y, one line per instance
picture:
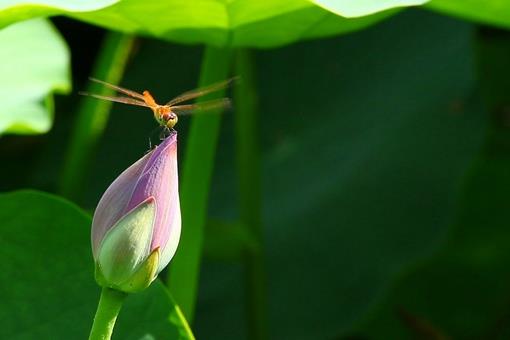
column 385, row 169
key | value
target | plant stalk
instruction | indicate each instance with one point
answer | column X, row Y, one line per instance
column 250, row 196
column 108, row 309
column 92, row 114
column 183, row 274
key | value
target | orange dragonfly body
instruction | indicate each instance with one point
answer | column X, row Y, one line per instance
column 167, row 115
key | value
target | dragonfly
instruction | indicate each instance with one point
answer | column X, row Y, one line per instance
column 167, row 114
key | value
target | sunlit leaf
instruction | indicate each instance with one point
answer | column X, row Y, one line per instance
column 17, row 10
column 35, row 63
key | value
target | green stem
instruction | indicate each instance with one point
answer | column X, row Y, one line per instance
column 108, row 309
column 92, row 115
column 250, row 197
column 177, row 318
column 196, row 179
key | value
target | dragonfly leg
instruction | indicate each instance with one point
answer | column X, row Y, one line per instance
column 165, row 132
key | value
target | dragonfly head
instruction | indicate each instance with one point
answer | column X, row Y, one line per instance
column 170, row 123
column 167, row 117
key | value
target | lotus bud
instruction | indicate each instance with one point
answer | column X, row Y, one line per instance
column 137, row 223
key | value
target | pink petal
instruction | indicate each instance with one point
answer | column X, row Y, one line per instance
column 113, row 204
column 159, row 179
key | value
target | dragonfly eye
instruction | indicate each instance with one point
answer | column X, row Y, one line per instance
column 169, row 116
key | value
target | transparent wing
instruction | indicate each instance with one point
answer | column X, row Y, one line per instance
column 119, row 89
column 201, row 91
column 211, row 105
column 124, row 100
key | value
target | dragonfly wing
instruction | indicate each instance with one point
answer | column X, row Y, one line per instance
column 124, row 100
column 120, row 89
column 211, row 105
column 201, row 91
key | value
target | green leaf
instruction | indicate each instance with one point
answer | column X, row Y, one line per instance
column 47, row 279
column 357, row 8
column 35, row 63
column 491, row 12
column 236, row 23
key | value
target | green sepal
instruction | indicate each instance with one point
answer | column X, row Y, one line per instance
column 141, row 279
column 98, row 274
column 144, row 276
column 126, row 246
